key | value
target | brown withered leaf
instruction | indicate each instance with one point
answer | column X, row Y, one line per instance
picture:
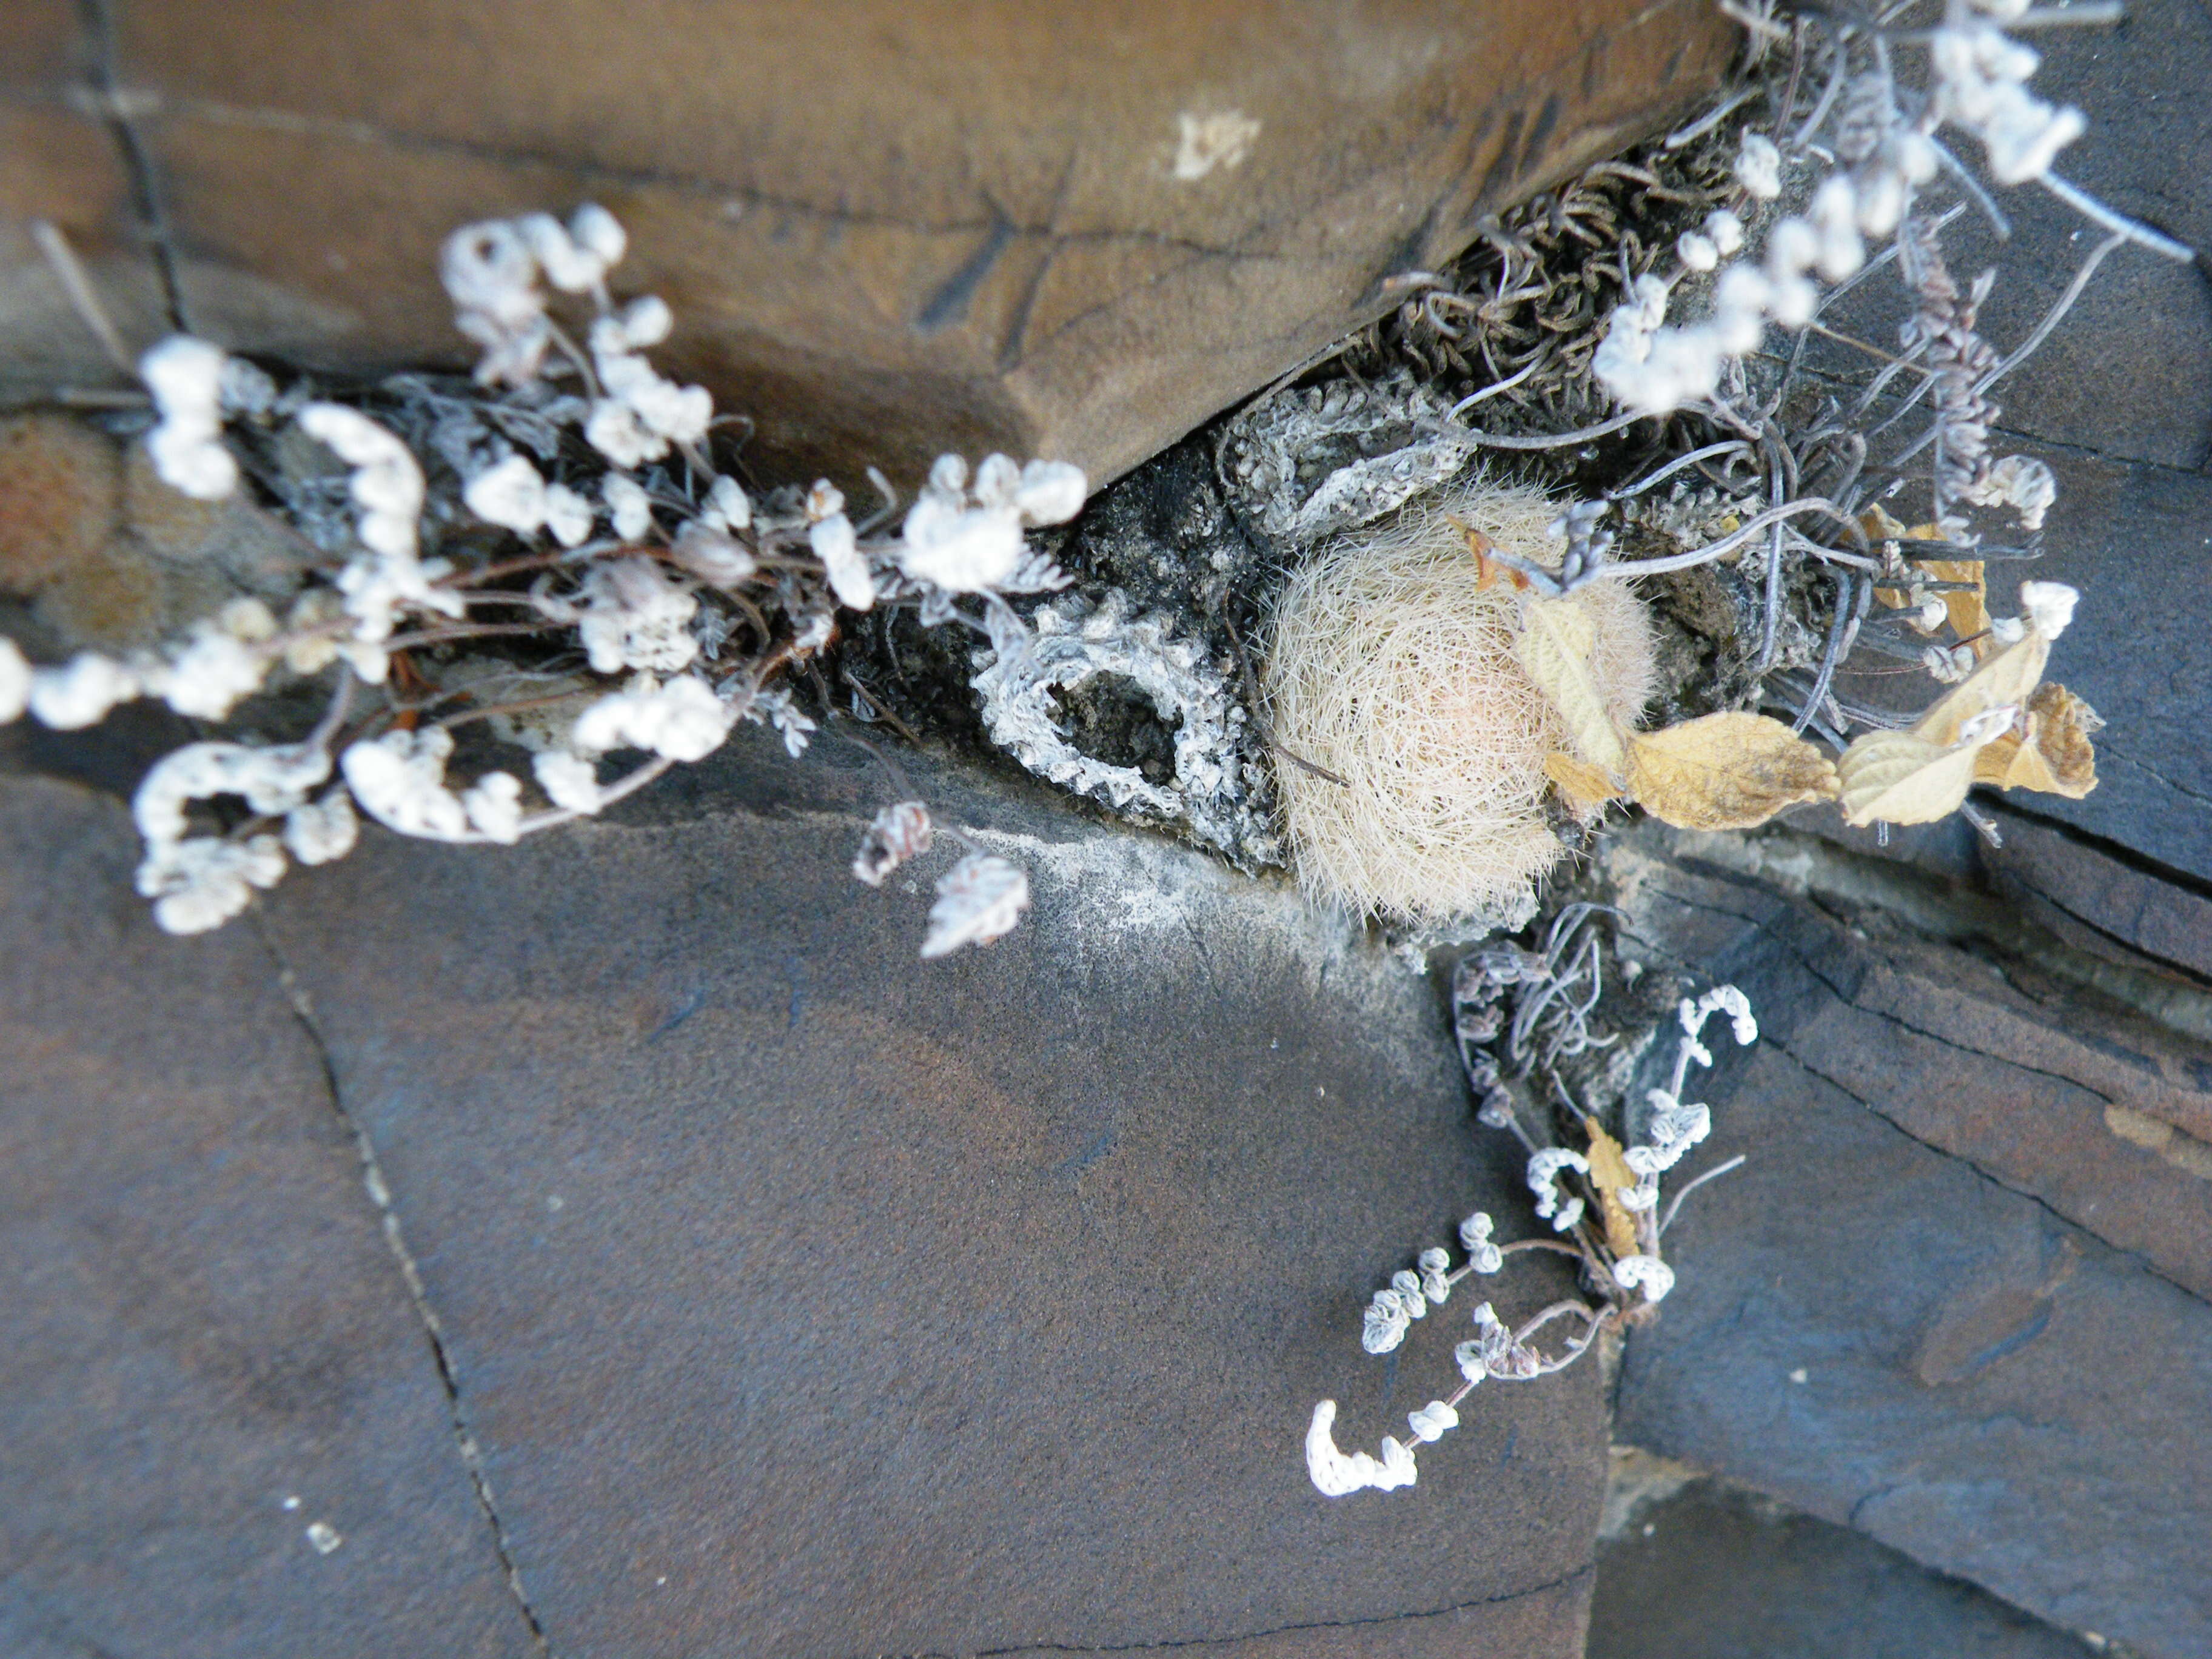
column 1610, row 1174
column 1582, row 785
column 2055, row 756
column 1900, row 777
column 1728, row 771
column 2007, row 677
column 1558, row 639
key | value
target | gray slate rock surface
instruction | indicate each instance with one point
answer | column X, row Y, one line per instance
column 806, row 1298
column 203, row 1320
column 1714, row 1572
column 1941, row 1304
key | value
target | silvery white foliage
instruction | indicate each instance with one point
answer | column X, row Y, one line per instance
column 629, row 510
column 1074, row 643
column 1430, row 1422
column 223, row 661
column 399, row 779
column 634, row 605
column 570, row 780
column 81, row 692
column 777, row 709
column 318, row 832
column 1545, row 1168
column 1383, row 1325
column 1436, row 1287
column 1654, row 1276
column 1625, row 1286
column 1336, row 1473
column 900, row 831
column 1298, row 462
column 1979, row 79
column 1482, row 1255
column 203, row 882
column 831, row 536
column 15, row 681
column 2020, row 483
column 200, row 882
column 966, row 538
column 979, row 900
column 186, row 377
column 2048, row 607
column 491, row 276
column 635, row 616
column 683, row 719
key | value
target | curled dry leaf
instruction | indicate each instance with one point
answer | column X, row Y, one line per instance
column 1610, row 1174
column 2054, row 756
column 1558, row 639
column 1582, row 785
column 1900, row 777
column 1729, row 771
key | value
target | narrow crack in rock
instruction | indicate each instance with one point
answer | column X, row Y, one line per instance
column 1581, row 1572
column 380, row 1194
column 118, row 109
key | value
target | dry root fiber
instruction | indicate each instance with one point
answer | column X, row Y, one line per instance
column 1392, row 666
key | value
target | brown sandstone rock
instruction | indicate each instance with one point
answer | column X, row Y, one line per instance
column 884, row 231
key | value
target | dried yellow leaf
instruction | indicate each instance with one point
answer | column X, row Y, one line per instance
column 1725, row 772
column 1967, row 608
column 1900, row 777
column 2007, row 677
column 1582, row 785
column 1558, row 639
column 1610, row 1174
column 2055, row 756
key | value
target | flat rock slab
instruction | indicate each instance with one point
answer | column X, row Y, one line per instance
column 1940, row 1304
column 807, row 1299
column 1051, row 230
column 1717, row 1573
column 206, row 1347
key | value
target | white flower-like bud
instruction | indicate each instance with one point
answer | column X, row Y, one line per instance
column 1726, row 230
column 714, row 556
column 569, row 779
column 81, row 692
column 494, row 807
column 900, row 831
column 1435, row 1285
column 2048, row 606
column 683, row 719
column 833, row 543
column 2008, row 630
column 317, row 832
column 186, row 377
column 511, row 495
column 1468, row 1356
column 15, row 681
column 1759, row 166
column 1430, row 1422
column 629, row 510
column 212, row 672
column 1545, row 1167
column 1051, row 492
column 567, row 515
column 1383, row 1325
column 399, row 779
column 728, row 508
column 1407, row 1284
column 1649, row 1271
column 1697, row 250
